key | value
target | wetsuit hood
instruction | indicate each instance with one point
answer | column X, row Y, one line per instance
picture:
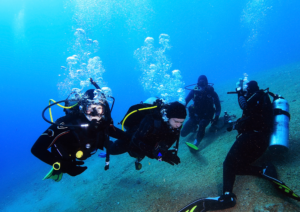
column 252, row 87
column 176, row 110
column 202, row 81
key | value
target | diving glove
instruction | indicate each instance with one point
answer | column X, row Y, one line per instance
column 171, row 157
column 215, row 120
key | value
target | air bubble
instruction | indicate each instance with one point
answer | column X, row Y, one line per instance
column 157, row 77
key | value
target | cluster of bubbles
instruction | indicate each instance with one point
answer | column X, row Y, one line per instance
column 76, row 94
column 253, row 18
column 157, row 77
column 91, row 13
column 243, row 82
column 82, row 66
column 100, row 95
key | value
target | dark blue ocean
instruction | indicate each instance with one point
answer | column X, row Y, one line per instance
column 222, row 39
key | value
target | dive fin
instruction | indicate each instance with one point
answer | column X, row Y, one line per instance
column 55, row 175
column 211, row 204
column 286, row 190
column 192, row 146
column 270, row 174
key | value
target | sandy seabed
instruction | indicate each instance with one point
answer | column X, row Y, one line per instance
column 159, row 186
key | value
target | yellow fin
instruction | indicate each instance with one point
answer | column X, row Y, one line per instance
column 191, row 146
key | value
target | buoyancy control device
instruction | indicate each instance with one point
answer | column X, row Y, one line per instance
column 279, row 139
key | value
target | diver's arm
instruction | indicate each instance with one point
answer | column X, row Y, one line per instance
column 145, row 128
column 251, row 101
column 118, row 133
column 217, row 104
column 142, row 133
column 242, row 102
column 189, row 97
column 41, row 146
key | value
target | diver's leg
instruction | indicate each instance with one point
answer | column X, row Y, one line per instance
column 201, row 132
column 188, row 127
column 255, row 147
column 246, row 149
column 118, row 147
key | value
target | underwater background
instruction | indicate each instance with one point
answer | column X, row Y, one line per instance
column 223, row 40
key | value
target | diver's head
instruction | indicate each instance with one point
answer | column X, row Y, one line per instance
column 252, row 87
column 94, row 112
column 176, row 113
column 93, row 109
column 202, row 81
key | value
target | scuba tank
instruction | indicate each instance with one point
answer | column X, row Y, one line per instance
column 280, row 136
column 279, row 139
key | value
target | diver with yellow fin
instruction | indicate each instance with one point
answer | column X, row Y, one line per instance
column 228, row 200
column 73, row 138
column 206, row 109
column 255, row 131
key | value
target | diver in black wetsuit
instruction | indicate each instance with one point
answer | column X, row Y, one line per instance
column 156, row 130
column 254, row 128
column 76, row 136
column 206, row 106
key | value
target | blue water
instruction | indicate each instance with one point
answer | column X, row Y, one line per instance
column 207, row 37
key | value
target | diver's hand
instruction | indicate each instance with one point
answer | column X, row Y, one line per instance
column 215, row 120
column 72, row 168
column 171, row 157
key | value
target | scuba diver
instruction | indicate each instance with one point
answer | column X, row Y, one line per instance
column 206, row 106
column 254, row 131
column 154, row 128
column 84, row 129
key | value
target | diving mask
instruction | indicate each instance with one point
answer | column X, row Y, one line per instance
column 94, row 112
column 202, row 83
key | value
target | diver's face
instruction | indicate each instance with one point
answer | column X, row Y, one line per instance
column 94, row 112
column 201, row 83
column 175, row 122
column 94, row 109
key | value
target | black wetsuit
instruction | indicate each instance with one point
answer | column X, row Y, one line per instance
column 202, row 112
column 254, row 128
column 65, row 141
column 148, row 138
